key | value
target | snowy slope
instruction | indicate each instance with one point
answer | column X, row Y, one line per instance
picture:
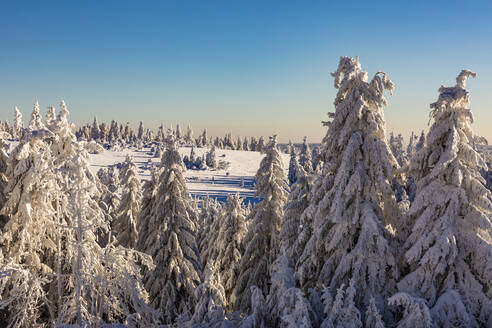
column 218, row 184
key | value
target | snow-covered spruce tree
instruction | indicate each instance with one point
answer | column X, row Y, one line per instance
column 305, row 156
column 56, row 273
column 448, row 251
column 262, row 240
column 149, row 191
column 245, row 144
column 105, row 283
column 261, row 145
column 141, row 131
column 36, row 122
column 168, row 235
column 28, row 234
column 211, row 300
column 229, row 246
column 257, row 318
column 125, row 227
column 293, row 164
column 4, row 158
column 287, row 305
column 341, row 312
column 95, row 132
column 211, row 158
column 188, row 138
column 396, row 146
column 210, row 223
column 411, row 146
column 110, row 271
column 18, row 124
column 316, row 159
column 415, row 311
column 294, row 232
column 352, row 200
column 50, row 117
column 421, row 142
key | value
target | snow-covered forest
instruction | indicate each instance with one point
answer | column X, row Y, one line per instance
column 104, row 225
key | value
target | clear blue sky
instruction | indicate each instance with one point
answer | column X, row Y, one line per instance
column 249, row 67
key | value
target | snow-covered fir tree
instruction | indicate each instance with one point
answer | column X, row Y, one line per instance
column 54, row 265
column 245, row 144
column 293, row 164
column 95, row 133
column 396, row 146
column 261, row 145
column 294, row 232
column 210, row 223
column 18, row 124
column 287, row 305
column 342, row 311
column 421, row 142
column 188, row 138
column 211, row 158
column 211, row 300
column 131, row 200
column 262, row 240
column 36, row 122
column 50, row 117
column 168, row 234
column 351, row 202
column 4, row 158
column 305, row 156
column 229, row 246
column 141, row 131
column 448, row 250
column 411, row 146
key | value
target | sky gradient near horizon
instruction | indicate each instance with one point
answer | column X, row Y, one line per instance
column 246, row 67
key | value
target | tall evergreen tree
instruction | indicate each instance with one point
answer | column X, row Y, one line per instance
column 18, row 124
column 230, row 246
column 448, row 251
column 168, row 234
column 36, row 122
column 131, row 200
column 262, row 240
column 352, row 200
column 305, row 156
column 293, row 165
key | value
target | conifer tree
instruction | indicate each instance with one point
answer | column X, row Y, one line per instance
column 131, row 200
column 95, row 133
column 211, row 158
column 287, row 305
column 210, row 223
column 352, row 201
column 229, row 245
column 293, row 230
column 448, row 251
column 396, row 146
column 36, row 122
column 262, row 240
column 421, row 142
column 293, row 165
column 141, row 131
column 56, row 265
column 18, row 124
column 168, row 234
column 50, row 117
column 189, row 135
column 261, row 145
column 245, row 144
column 305, row 156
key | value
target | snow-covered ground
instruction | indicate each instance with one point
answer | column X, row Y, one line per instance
column 237, row 178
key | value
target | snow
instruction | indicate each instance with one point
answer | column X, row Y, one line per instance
column 237, row 178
